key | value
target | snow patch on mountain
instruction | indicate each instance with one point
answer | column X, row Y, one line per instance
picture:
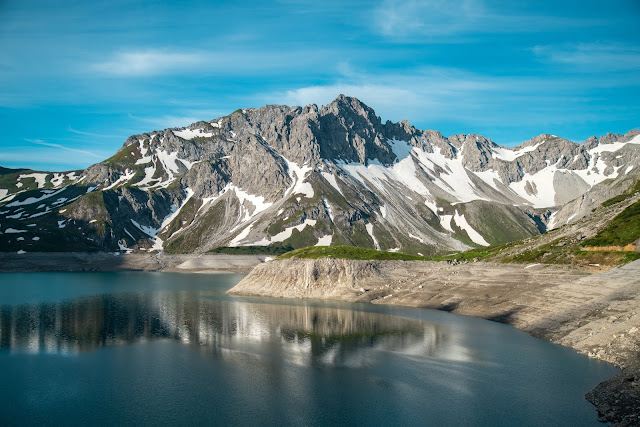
column 595, row 173
column 257, row 202
column 144, row 160
column 448, row 174
column 192, row 133
column 325, row 240
column 491, row 177
column 297, row 175
column 331, row 179
column 475, row 237
column 383, row 211
column 553, row 218
column 148, row 177
column 283, row 235
column 454, row 180
column 369, row 228
column 32, row 200
column 537, row 189
column 46, row 211
column 157, row 241
column 509, row 155
column 327, row 209
column 168, row 161
column 40, row 178
column 377, row 177
column 244, row 233
column 58, row 178
column 128, row 175
column 402, row 149
column 445, row 222
column 122, row 245
column 146, row 229
column 14, row 230
column 418, row 238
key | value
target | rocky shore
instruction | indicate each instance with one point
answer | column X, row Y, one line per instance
column 105, row 261
column 596, row 314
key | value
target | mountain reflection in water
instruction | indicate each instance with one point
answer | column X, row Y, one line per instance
column 302, row 335
column 156, row 349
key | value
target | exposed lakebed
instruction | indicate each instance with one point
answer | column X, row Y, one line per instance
column 173, row 348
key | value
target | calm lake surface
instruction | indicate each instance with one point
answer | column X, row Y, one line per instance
column 160, row 348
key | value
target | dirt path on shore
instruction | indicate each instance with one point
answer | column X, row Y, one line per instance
column 596, row 314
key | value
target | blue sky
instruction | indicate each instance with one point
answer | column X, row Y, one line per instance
column 78, row 77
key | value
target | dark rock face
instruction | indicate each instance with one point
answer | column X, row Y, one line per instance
column 350, row 131
column 618, row 399
column 298, row 176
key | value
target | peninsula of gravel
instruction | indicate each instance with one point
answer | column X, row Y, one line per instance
column 595, row 314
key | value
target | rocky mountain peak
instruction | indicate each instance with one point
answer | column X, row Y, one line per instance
column 297, row 176
column 353, row 113
column 610, row 138
column 540, row 139
column 351, row 105
column 349, row 130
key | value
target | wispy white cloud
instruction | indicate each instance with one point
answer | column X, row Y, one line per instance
column 398, row 18
column 148, row 63
column 171, row 121
column 592, row 57
column 93, row 134
column 42, row 155
column 403, row 19
column 432, row 91
column 62, row 147
column 474, row 100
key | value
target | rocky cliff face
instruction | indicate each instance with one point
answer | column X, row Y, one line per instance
column 300, row 176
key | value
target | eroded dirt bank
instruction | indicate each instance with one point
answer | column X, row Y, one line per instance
column 79, row 261
column 596, row 314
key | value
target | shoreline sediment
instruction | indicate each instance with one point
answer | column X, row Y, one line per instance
column 10, row 262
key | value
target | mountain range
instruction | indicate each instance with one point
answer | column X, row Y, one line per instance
column 288, row 177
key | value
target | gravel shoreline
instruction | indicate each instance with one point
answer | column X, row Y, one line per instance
column 105, row 261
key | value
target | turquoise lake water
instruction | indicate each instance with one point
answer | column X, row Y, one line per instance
column 160, row 348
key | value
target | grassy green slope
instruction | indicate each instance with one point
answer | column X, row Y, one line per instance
column 622, row 230
column 347, row 252
column 568, row 245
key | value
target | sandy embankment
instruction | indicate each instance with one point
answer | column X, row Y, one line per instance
column 71, row 261
column 596, row 314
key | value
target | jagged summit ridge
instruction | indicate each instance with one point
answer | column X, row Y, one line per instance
column 299, row 176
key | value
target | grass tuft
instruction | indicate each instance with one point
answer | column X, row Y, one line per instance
column 252, row 250
column 348, row 252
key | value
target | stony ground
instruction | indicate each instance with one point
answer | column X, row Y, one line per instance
column 79, row 261
column 596, row 314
